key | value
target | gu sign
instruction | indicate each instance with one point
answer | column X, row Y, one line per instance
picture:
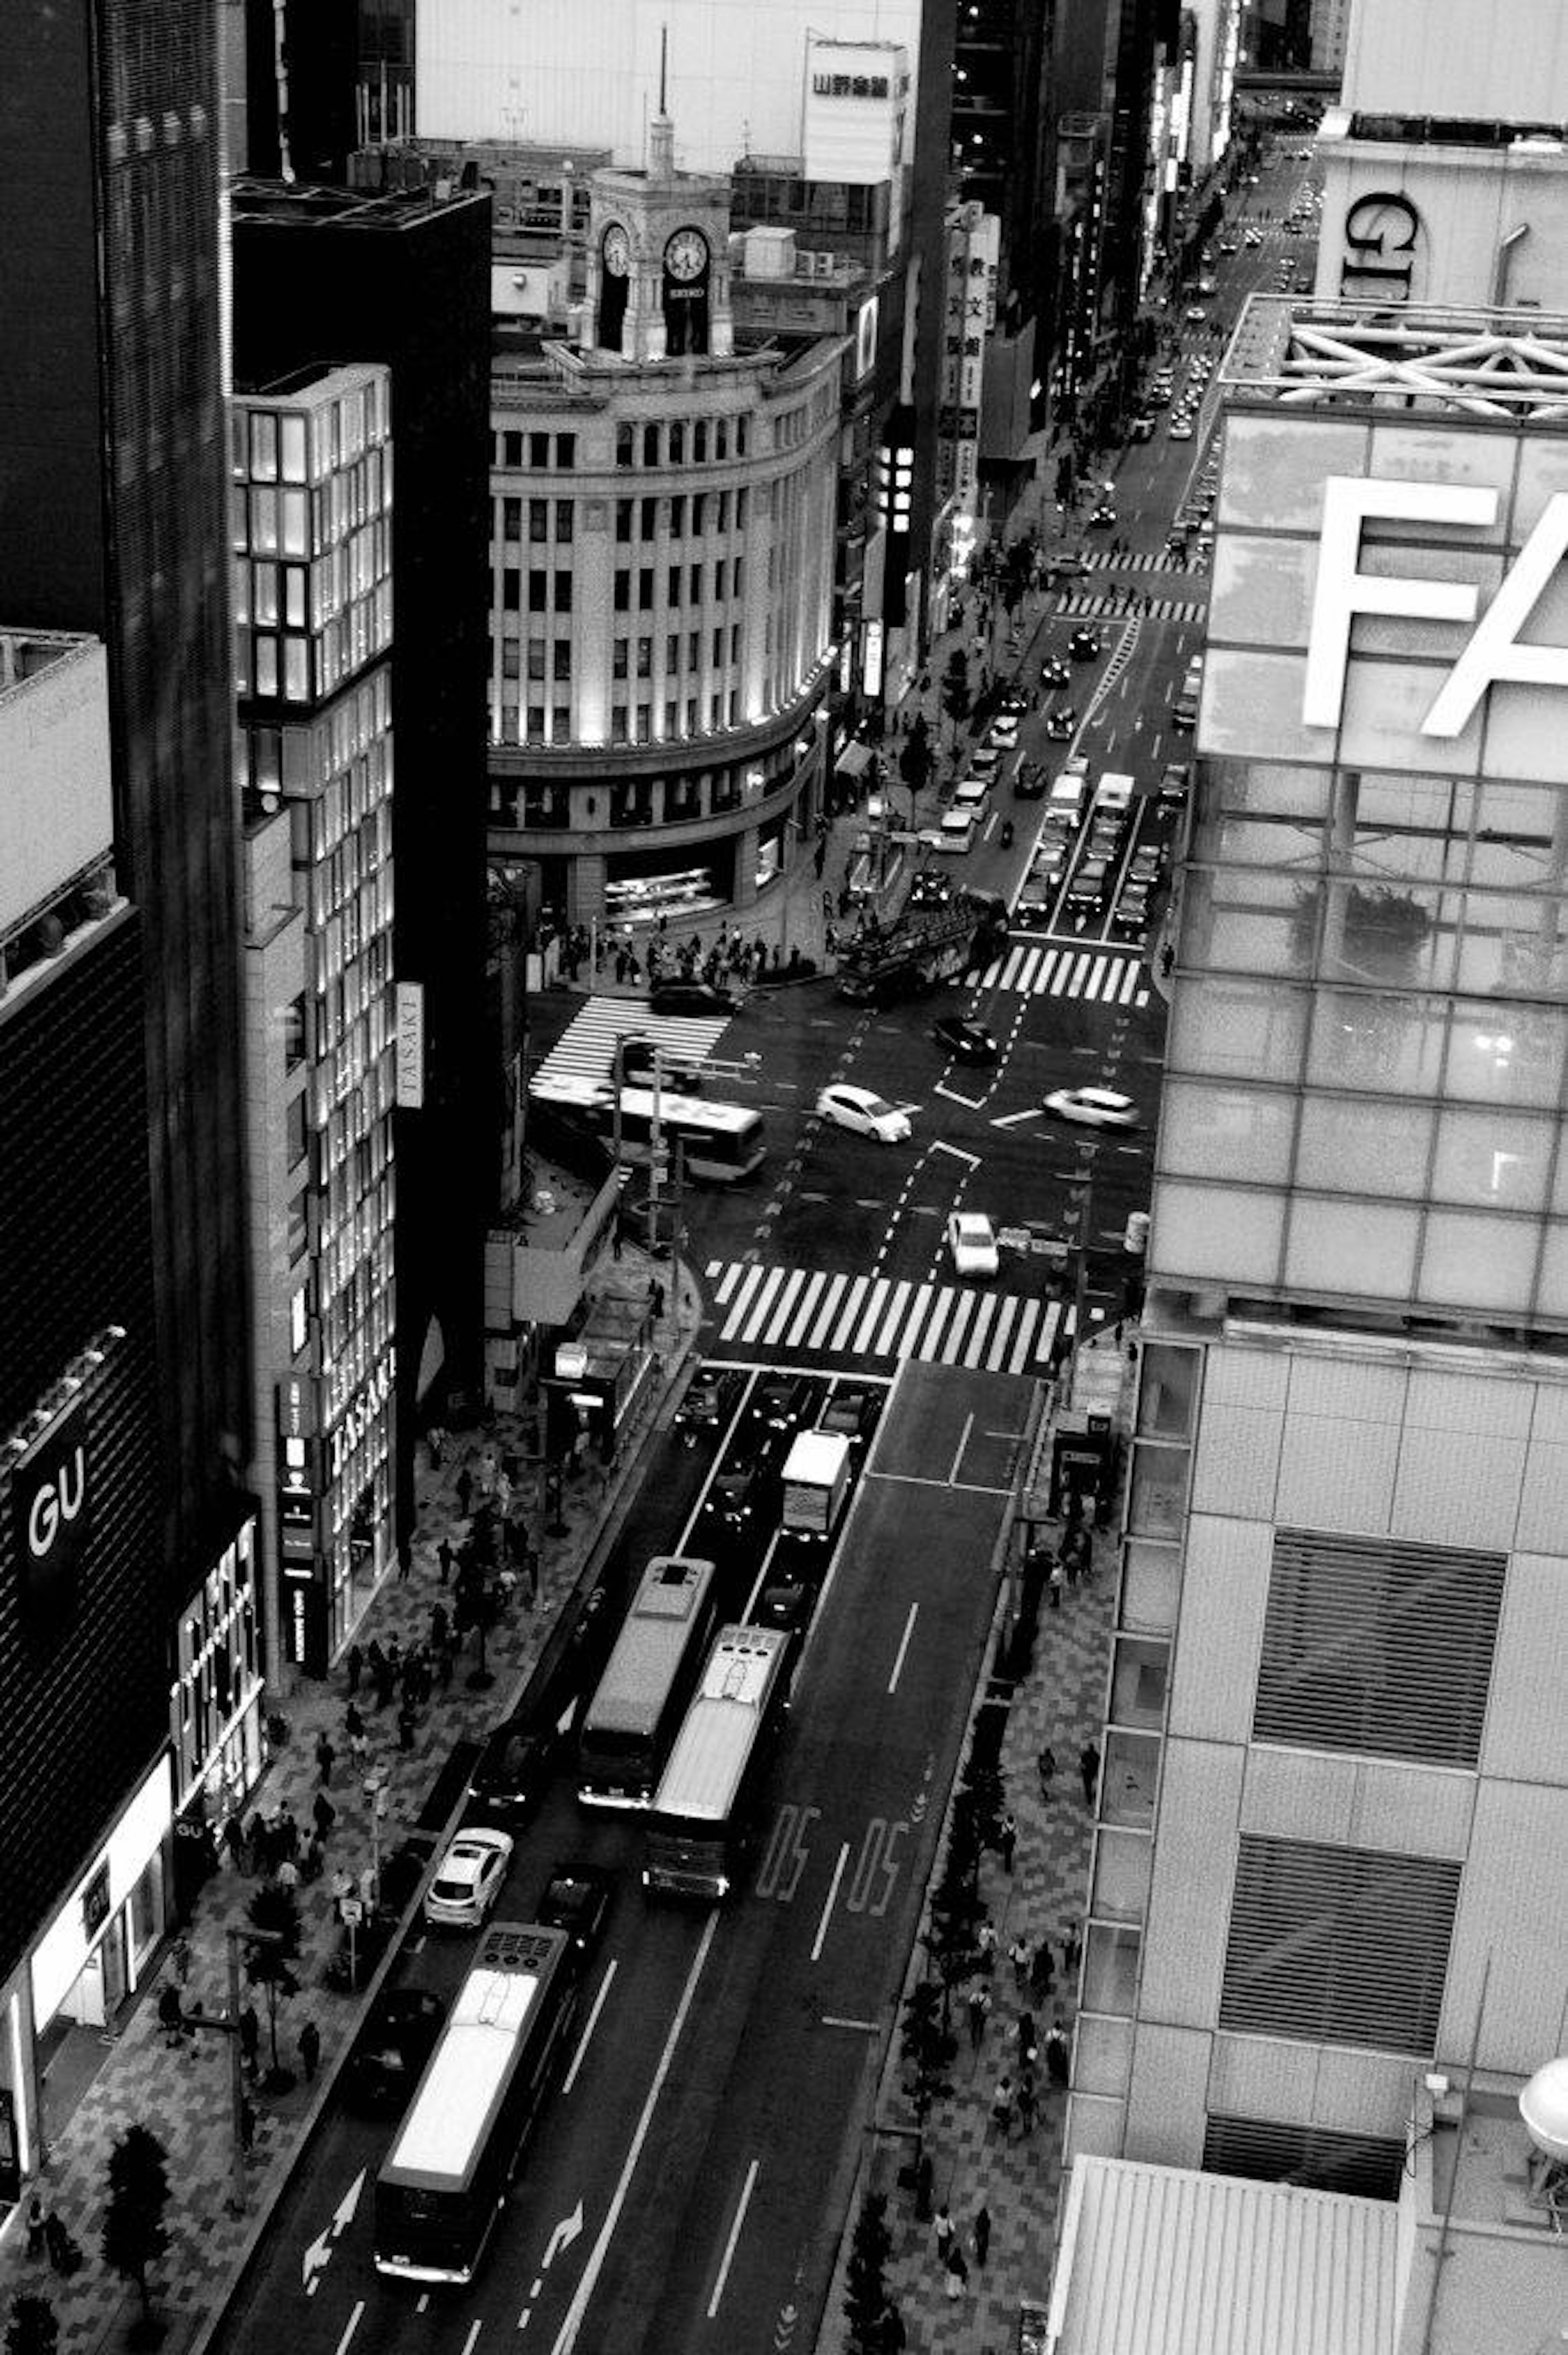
column 1493, row 651
column 52, row 1519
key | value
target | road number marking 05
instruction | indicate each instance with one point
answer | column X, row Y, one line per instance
column 787, row 1846
column 876, row 1857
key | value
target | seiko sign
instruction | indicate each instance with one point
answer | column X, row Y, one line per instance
column 51, row 1520
column 1493, row 653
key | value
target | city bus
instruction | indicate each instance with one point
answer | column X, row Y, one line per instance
column 720, row 1142
column 704, row 1810
column 636, row 1710
column 443, row 2186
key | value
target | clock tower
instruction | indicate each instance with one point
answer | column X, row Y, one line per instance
column 658, row 259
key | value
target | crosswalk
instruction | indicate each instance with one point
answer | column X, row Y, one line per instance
column 1077, row 602
column 1100, row 560
column 586, row 1049
column 1035, row 969
column 822, row 1314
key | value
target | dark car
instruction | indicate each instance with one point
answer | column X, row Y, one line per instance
column 1084, row 645
column 781, row 1400
column 851, row 1411
column 1060, row 723
column 691, row 998
column 392, row 2048
column 1028, row 781
column 514, row 1770
column 932, row 888
column 1086, row 891
column 1130, row 914
column 1053, row 673
column 785, row 1602
column 639, row 1062
column 1175, row 780
column 1148, row 864
column 1141, row 429
column 1102, row 518
column 702, row 1408
column 967, row 1042
column 578, row 1899
column 736, row 1495
column 1015, row 701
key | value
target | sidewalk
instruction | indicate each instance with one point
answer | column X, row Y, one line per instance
column 1014, row 2175
column 183, row 2095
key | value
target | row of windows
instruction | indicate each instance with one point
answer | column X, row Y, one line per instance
column 547, row 592
column 727, row 582
column 539, row 520
column 682, row 441
column 622, row 656
column 634, row 800
column 293, row 445
column 709, row 509
column 536, row 450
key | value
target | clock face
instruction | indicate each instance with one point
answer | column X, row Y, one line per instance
column 686, row 255
column 617, row 252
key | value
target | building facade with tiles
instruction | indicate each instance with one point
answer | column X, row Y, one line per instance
column 1331, row 1848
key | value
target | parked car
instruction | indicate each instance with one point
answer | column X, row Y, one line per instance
column 971, row 1241
column 578, row 1898
column 513, row 1769
column 969, row 792
column 984, row 761
column 966, row 1042
column 1085, row 646
column 864, row 1113
column 468, row 1879
column 1015, row 700
column 1092, row 1107
column 390, row 2052
column 692, row 997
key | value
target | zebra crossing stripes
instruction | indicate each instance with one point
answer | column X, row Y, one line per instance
column 821, row 1313
column 586, row 1049
column 1097, row 975
column 1099, row 559
column 1075, row 602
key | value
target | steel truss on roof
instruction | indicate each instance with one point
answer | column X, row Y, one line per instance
column 1488, row 364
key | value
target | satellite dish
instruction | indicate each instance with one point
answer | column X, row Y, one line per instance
column 1544, row 2106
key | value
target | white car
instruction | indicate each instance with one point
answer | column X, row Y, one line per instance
column 971, row 1239
column 1180, row 430
column 1092, row 1107
column 866, row 1115
column 467, row 1880
column 985, row 762
column 1003, row 733
column 969, row 792
column 956, row 832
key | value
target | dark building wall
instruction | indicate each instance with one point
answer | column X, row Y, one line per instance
column 85, row 1706
column 320, row 64
column 932, row 183
column 318, row 278
column 113, row 519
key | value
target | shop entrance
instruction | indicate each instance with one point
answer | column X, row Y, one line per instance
column 70, row 2047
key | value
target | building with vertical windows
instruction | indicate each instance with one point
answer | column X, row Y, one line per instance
column 312, row 599
column 1331, row 1851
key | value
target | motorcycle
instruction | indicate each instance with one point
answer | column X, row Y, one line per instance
column 1007, row 834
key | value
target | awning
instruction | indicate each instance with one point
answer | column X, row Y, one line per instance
column 854, row 760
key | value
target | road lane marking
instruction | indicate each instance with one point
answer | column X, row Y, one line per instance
column 970, row 1103
column 862, row 2027
column 471, row 2342
column 941, row 1145
column 963, row 1443
column 351, row 2326
column 827, row 1909
column 570, row 2079
column 566, row 2338
column 747, row 2189
column 1011, row 1119
column 903, row 1647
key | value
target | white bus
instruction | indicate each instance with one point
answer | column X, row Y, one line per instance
column 720, row 1142
column 705, row 1808
column 636, row 1710
column 443, row 2186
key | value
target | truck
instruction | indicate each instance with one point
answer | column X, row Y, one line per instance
column 923, row 947
column 816, row 1480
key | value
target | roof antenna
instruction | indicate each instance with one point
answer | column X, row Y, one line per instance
column 663, row 61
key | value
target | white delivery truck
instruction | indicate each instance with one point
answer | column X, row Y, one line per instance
column 816, row 1482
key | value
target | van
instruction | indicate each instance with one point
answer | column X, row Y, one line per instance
column 816, row 1481
column 1113, row 795
column 1065, row 801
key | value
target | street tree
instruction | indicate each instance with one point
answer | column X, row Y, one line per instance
column 916, row 759
column 957, row 695
column 33, row 2327
column 268, row 1963
column 928, row 2045
column 865, row 2283
column 134, row 2236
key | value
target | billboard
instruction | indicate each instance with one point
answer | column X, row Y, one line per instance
column 51, row 1518
column 857, row 95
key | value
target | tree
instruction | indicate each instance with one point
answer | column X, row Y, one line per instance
column 981, row 1779
column 950, row 1935
column 34, row 2326
column 268, row 1963
column 956, row 695
column 133, row 2233
column 865, row 2285
column 928, row 2045
column 916, row 759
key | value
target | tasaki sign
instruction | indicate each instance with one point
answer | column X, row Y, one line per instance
column 1496, row 651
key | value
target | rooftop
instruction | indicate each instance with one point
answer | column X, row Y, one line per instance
column 1298, row 352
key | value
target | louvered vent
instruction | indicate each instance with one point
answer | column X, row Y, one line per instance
column 1367, row 2165
column 1375, row 1646
column 1339, row 1946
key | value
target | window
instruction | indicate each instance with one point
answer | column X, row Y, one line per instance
column 693, row 648
column 538, row 520
column 622, row 591
column 699, row 514
column 617, row 659
column 700, row 441
column 511, row 518
column 723, row 511
column 512, row 449
column 644, row 657
column 538, row 586
column 696, row 587
column 678, row 517
column 618, row 727
column 644, row 723
column 691, row 715
column 299, row 1318
column 672, row 718
column 511, row 659
column 721, row 437
column 677, row 443
column 718, row 649
column 535, row 723
column 561, row 725
column 740, row 440
column 673, row 652
column 739, row 561
column 715, row 711
column 299, row 1236
column 538, row 450
column 566, row 449
column 625, row 446
column 1368, row 2167
column 735, row 648
column 296, row 1134
column 651, row 445
column 740, row 515
column 1373, row 1645
column 675, row 591
column 294, row 1033
column 563, row 592
column 721, row 575
column 1339, row 1946
column 536, row 657
column 650, row 523
column 511, row 588
column 623, row 512
column 564, row 512
column 563, row 658
column 645, row 588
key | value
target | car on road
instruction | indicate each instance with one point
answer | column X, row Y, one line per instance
column 782, row 1402
column 577, row 1898
column 954, row 832
column 1015, row 700
column 984, row 761
column 1180, row 428
column 1085, row 894
column 972, row 1242
column 468, row 1879
column 1208, row 285
column 851, row 1412
column 1084, row 645
column 1069, row 565
column 1175, row 782
column 1254, row 236
column 1103, row 517
column 1028, row 781
column 969, row 792
column 1103, row 836
column 1230, row 245
column 1141, row 429
column 864, row 1113
column 736, row 1493
column 692, row 997
column 639, row 1060
column 513, row 1769
column 1060, row 723
column 933, row 888
column 703, row 1407
column 1002, row 733
column 966, row 1042
column 1194, row 315
column 1054, row 673
column 1148, row 864
column 1092, row 1107
column 390, row 2052
column 1130, row 915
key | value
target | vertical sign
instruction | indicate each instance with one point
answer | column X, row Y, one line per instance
column 411, row 1046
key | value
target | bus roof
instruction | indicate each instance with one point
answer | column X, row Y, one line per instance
column 574, row 1092
column 817, row 1456
column 652, row 1644
column 455, row 2103
column 715, row 1741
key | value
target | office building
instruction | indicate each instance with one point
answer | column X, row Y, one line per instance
column 324, row 277
column 1332, row 1845
column 313, row 535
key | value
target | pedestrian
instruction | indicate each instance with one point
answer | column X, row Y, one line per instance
column 327, row 1758
column 246, row 2124
column 1043, row 1973
column 1001, row 2103
column 288, row 1833
column 892, row 2336
column 57, row 2240
column 1089, row 1771
column 439, row 1624
column 1028, row 2050
column 287, row 1873
column 182, row 1959
column 444, row 1665
column 1027, row 2102
column 312, row 1864
column 980, row 2006
column 310, row 2049
column 1072, row 1948
column 1021, row 1954
column 985, row 1940
column 234, row 1841
column 656, row 1298
column 171, row 2016
column 35, row 2226
column 1007, row 1841
column 1056, row 2055
column 943, row 2229
column 1058, row 1579
column 324, row 1813
column 1046, row 1766
column 367, row 1886
column 436, row 1439
column 958, row 2270
column 444, row 1555
column 354, row 1661
column 404, row 1558
column 465, row 1487
column 980, row 2229
column 405, row 1723
column 250, row 2040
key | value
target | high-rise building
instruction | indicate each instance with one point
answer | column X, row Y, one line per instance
column 114, row 520
column 1332, row 1839
column 324, row 276
column 314, row 534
